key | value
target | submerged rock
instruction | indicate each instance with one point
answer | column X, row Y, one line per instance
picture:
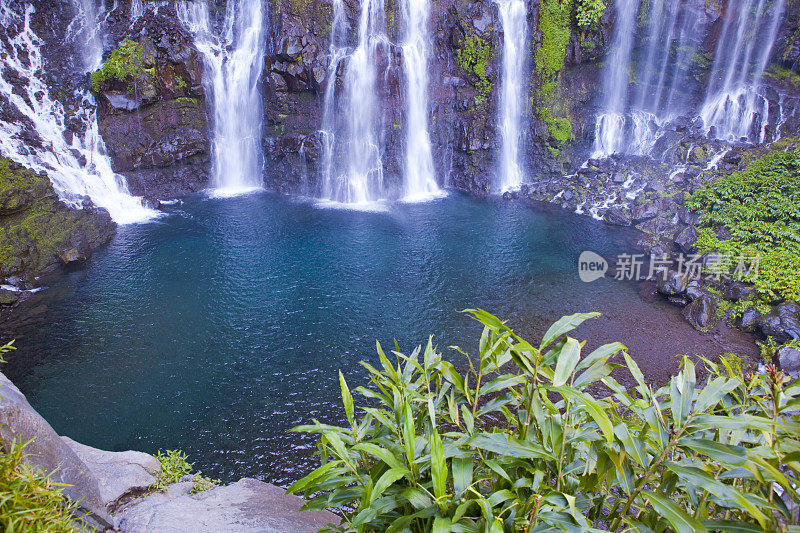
column 701, row 312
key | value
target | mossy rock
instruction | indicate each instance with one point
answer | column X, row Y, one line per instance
column 36, row 228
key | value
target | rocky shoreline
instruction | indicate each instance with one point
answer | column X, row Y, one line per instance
column 115, row 489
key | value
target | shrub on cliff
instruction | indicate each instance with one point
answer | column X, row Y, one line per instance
column 521, row 442
column 756, row 212
column 29, row 501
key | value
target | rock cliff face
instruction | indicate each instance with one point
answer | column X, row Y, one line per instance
column 152, row 108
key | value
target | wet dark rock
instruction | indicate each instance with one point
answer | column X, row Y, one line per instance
column 789, row 359
column 749, row 320
column 38, row 231
column 690, row 218
column 618, row 217
column 674, row 284
column 781, row 328
column 701, row 312
column 8, row 297
column 643, row 212
column 686, row 239
column 694, row 290
column 736, row 290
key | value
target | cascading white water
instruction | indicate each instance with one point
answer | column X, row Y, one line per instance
column 512, row 97
column 336, row 53
column 85, row 28
column 233, row 63
column 419, row 178
column 357, row 177
column 733, row 103
column 77, row 168
column 610, row 127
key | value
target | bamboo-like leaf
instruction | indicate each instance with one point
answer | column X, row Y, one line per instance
column 347, row 399
column 724, row 453
column 462, row 474
column 602, row 353
column 312, row 479
column 563, row 326
column 682, row 522
column 438, row 466
column 441, row 525
column 729, row 526
column 386, row 480
column 567, row 361
column 503, row 444
column 593, row 407
column 379, row 453
column 713, row 393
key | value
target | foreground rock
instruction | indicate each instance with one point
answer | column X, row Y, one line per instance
column 246, row 506
column 19, row 422
column 38, row 232
column 121, row 476
column 113, row 487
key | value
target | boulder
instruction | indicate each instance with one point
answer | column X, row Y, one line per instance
column 617, row 216
column 673, row 284
column 246, row 506
column 122, row 475
column 749, row 320
column 789, row 359
column 701, row 312
column 738, row 291
column 8, row 297
column 47, row 452
column 686, row 239
column 643, row 212
column 781, row 328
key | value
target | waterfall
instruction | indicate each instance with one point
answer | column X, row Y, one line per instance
column 85, row 29
column 77, row 167
column 610, row 127
column 357, row 176
column 336, row 53
column 419, row 179
column 512, row 96
column 733, row 105
column 233, row 64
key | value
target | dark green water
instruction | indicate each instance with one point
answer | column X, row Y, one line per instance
column 222, row 325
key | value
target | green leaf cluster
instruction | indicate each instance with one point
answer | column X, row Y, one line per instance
column 30, row 501
column 174, row 466
column 522, row 441
column 589, row 12
column 123, row 64
column 760, row 208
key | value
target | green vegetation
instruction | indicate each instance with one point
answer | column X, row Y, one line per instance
column 589, row 12
column 760, row 208
column 521, row 442
column 473, row 58
column 125, row 63
column 29, row 501
column 780, row 73
column 555, row 27
column 174, row 466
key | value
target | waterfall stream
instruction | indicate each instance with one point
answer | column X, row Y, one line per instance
column 611, row 124
column 233, row 61
column 357, row 176
column 733, row 105
column 77, row 166
column 419, row 179
column 512, row 95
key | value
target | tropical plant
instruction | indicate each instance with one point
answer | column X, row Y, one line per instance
column 525, row 441
column 31, row 502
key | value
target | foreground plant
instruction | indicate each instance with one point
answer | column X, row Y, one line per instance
column 31, row 502
column 519, row 443
column 175, row 466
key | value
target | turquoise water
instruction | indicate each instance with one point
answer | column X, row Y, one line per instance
column 220, row 326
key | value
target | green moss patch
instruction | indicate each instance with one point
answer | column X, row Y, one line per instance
column 473, row 58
